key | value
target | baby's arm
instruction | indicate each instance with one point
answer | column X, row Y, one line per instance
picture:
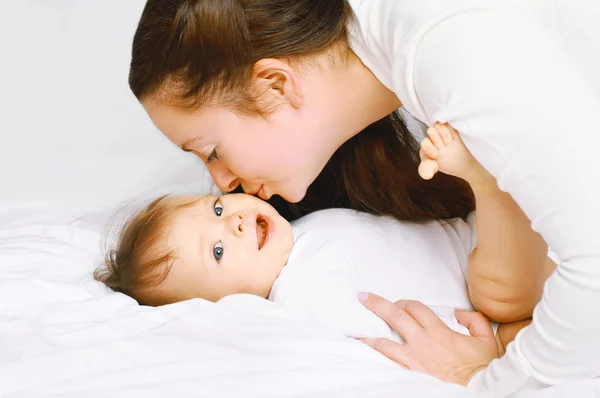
column 508, row 331
column 507, row 270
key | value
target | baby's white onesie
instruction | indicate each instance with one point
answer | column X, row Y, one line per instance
column 340, row 252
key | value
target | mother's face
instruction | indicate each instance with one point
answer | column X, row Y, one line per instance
column 280, row 155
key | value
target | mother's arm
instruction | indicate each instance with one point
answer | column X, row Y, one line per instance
column 527, row 116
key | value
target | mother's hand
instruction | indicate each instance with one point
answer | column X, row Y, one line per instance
column 430, row 345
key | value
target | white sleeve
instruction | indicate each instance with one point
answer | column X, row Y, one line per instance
column 533, row 122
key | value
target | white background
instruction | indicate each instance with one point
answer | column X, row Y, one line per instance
column 71, row 131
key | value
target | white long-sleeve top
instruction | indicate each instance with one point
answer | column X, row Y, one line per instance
column 520, row 80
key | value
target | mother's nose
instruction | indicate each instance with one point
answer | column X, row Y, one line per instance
column 223, row 177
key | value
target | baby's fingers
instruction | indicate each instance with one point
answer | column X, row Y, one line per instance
column 428, row 168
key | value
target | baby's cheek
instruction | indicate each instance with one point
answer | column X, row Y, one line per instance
column 252, row 268
column 252, row 263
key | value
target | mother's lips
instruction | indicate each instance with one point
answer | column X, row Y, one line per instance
column 260, row 193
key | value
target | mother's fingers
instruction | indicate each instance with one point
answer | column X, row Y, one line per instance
column 422, row 314
column 394, row 351
column 479, row 326
column 398, row 319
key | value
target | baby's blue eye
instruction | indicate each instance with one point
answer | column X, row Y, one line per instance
column 218, row 251
column 218, row 208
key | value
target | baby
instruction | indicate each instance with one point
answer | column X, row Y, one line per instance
column 179, row 248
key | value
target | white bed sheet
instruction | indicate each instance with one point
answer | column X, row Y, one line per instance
column 63, row 334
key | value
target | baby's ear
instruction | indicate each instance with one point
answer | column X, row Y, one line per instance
column 277, row 83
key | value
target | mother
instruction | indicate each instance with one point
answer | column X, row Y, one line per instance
column 265, row 92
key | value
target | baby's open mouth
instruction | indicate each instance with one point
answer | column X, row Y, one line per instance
column 261, row 231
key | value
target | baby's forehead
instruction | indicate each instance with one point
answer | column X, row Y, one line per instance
column 183, row 229
column 179, row 207
column 181, row 217
column 183, row 212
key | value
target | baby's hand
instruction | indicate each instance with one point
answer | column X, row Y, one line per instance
column 445, row 151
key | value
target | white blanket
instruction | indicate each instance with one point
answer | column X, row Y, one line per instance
column 63, row 334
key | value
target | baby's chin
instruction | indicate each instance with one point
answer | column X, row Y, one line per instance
column 262, row 289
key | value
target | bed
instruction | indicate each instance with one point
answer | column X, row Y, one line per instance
column 63, row 334
column 76, row 146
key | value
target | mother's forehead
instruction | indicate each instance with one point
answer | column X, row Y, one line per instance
column 177, row 124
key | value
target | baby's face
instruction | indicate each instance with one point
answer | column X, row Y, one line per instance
column 225, row 245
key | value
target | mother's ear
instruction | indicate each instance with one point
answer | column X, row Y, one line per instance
column 278, row 83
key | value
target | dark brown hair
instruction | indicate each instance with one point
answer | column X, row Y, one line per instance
column 138, row 260
column 196, row 52
column 203, row 51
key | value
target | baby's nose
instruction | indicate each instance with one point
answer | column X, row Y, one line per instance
column 236, row 223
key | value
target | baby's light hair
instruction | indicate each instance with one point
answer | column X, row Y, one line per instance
column 139, row 261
